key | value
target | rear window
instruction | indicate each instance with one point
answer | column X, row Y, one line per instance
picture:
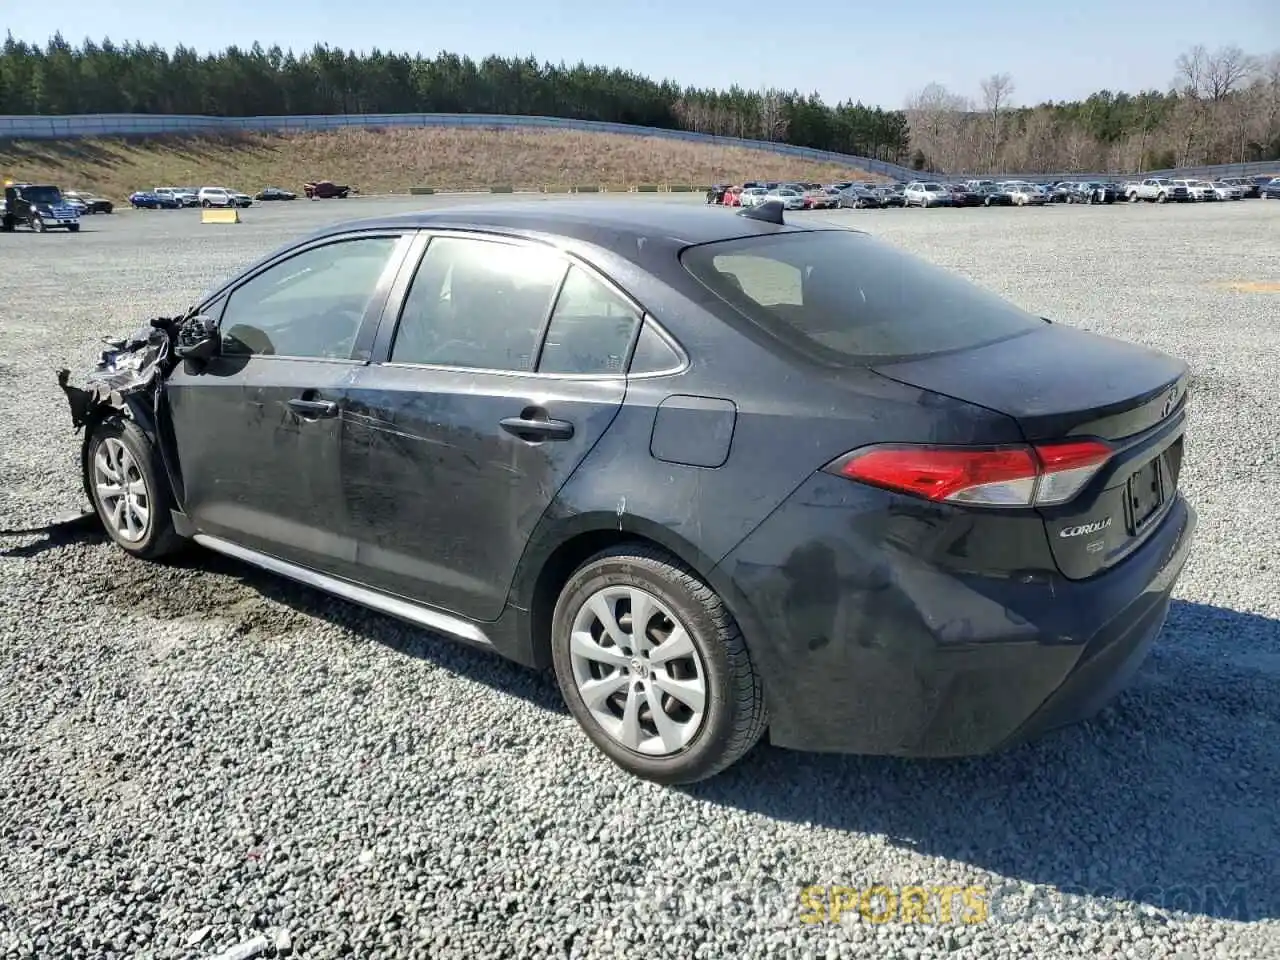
column 846, row 296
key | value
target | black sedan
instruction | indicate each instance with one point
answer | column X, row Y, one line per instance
column 994, row 196
column 726, row 475
column 962, row 196
column 275, row 193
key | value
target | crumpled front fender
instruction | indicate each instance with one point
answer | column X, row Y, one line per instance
column 125, row 382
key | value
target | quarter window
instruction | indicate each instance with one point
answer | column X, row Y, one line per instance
column 653, row 354
column 591, row 328
column 478, row 303
column 310, row 305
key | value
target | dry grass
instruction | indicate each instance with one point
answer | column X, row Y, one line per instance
column 393, row 160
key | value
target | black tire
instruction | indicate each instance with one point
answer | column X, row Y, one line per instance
column 734, row 715
column 159, row 539
column 37, row 224
column 73, row 228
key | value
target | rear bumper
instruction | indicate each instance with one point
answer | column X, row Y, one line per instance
column 867, row 648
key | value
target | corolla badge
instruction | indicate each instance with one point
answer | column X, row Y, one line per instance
column 1170, row 401
column 1084, row 528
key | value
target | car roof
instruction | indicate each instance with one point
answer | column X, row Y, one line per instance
column 619, row 226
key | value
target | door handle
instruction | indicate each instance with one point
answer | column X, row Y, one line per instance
column 314, row 409
column 535, row 428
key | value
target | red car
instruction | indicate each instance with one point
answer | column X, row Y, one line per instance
column 325, row 189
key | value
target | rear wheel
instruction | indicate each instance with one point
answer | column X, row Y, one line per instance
column 128, row 489
column 654, row 668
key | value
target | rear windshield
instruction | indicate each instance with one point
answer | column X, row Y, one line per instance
column 845, row 295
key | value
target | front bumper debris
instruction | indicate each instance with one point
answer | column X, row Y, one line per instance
column 134, row 365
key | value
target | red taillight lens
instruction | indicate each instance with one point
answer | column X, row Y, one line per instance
column 1017, row 476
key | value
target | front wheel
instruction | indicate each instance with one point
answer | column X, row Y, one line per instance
column 128, row 489
column 73, row 228
column 37, row 224
column 654, row 668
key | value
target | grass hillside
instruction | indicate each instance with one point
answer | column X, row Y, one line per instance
column 393, row 160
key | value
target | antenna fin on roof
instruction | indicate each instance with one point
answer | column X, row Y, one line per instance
column 770, row 212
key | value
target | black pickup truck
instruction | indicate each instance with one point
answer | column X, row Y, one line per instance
column 38, row 206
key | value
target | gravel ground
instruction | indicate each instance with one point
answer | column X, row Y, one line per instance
column 192, row 755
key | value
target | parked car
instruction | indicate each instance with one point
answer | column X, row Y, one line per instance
column 926, row 194
column 840, row 494
column 89, row 202
column 790, row 199
column 1059, row 192
column 216, row 197
column 325, row 189
column 148, row 200
column 1026, row 195
column 1248, row 188
column 182, row 196
column 714, row 195
column 1156, row 190
column 1092, row 191
column 751, row 196
column 890, row 196
column 1270, row 190
column 240, row 199
column 962, row 196
column 1226, row 191
column 275, row 193
column 1200, row 190
column 993, row 195
column 858, row 198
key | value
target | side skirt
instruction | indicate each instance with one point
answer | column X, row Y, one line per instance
column 393, row 606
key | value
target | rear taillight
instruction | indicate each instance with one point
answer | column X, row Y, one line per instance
column 1007, row 476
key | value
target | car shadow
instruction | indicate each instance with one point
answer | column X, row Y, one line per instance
column 72, row 529
column 1145, row 802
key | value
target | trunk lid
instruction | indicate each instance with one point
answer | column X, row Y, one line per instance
column 1060, row 383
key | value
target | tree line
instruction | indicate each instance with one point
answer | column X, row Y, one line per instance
column 1223, row 107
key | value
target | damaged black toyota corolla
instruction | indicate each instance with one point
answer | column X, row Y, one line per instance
column 726, row 474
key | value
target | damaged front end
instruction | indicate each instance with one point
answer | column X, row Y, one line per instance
column 127, row 381
column 129, row 372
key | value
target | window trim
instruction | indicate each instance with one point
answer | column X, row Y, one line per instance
column 360, row 348
column 393, row 312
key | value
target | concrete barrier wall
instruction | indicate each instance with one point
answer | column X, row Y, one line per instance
column 140, row 124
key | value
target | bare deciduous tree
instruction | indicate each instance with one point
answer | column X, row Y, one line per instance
column 997, row 91
column 1224, row 70
column 773, row 117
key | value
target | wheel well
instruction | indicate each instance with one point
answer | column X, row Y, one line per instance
column 560, row 566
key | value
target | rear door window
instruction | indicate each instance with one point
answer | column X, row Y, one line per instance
column 843, row 296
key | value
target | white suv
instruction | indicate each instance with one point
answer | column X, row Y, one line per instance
column 216, row 197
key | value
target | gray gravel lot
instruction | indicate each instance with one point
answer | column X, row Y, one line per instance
column 192, row 754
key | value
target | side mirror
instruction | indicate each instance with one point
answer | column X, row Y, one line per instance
column 198, row 339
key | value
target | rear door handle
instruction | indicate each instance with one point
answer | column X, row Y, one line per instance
column 314, row 409
column 534, row 429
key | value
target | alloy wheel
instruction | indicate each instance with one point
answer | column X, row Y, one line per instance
column 638, row 671
column 122, row 491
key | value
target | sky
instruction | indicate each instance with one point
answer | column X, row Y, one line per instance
column 877, row 54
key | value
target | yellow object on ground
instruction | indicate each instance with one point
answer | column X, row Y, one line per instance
column 219, row 215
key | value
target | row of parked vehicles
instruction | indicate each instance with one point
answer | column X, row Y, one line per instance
column 987, row 193
column 174, row 198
